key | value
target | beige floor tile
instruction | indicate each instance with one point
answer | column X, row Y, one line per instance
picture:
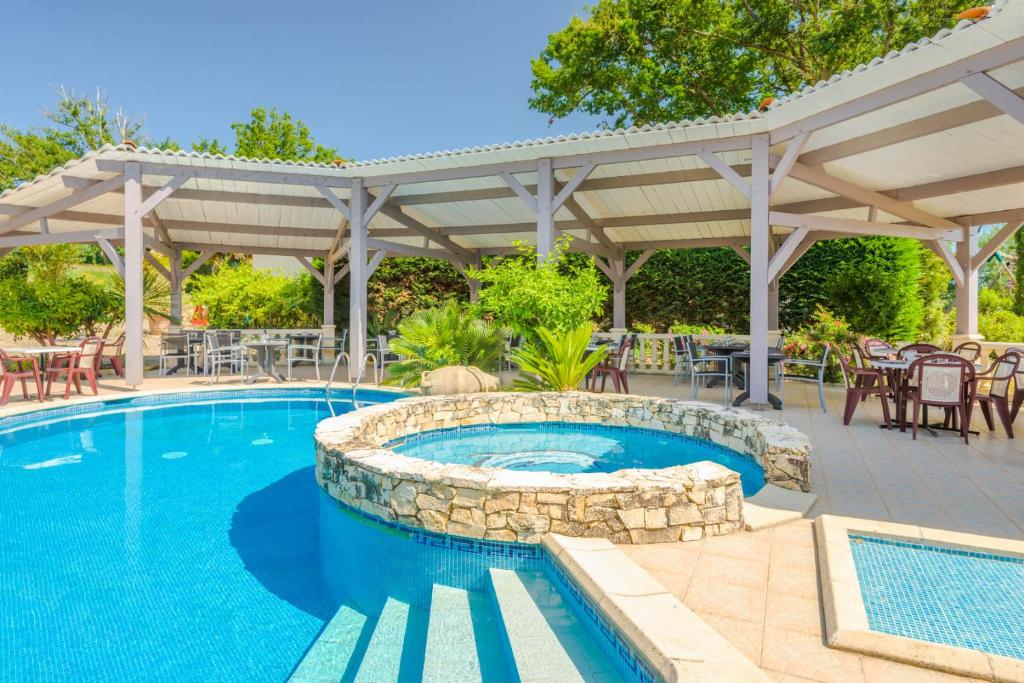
column 750, row 573
column 728, row 600
column 745, row 635
column 781, row 677
column 745, row 545
column 793, row 578
column 788, row 611
column 801, row 654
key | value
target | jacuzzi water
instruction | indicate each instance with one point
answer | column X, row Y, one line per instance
column 184, row 542
column 955, row 597
column 571, row 447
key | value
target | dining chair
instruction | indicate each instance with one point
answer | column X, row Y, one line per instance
column 703, row 368
column 969, row 351
column 19, row 369
column 944, row 380
column 860, row 383
column 1018, row 385
column 82, row 364
column 114, row 354
column 174, row 348
column 817, row 365
column 918, row 349
column 996, row 396
column 300, row 351
column 875, row 348
column 218, row 352
column 682, row 364
column 616, row 366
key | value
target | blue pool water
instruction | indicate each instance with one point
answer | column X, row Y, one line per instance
column 571, row 447
column 144, row 541
column 968, row 599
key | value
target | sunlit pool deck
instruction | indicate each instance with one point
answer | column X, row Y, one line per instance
column 760, row 590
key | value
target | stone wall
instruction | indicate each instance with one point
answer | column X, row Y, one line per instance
column 686, row 502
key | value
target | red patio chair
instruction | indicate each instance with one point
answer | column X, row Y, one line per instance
column 970, row 351
column 82, row 363
column 114, row 354
column 19, row 368
column 615, row 366
column 944, row 380
column 921, row 349
column 878, row 348
column 861, row 383
column 999, row 376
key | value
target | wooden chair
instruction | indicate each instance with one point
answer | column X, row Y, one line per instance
column 999, row 376
column 616, row 367
column 861, row 383
column 114, row 353
column 19, row 368
column 82, row 363
column 944, row 380
column 970, row 351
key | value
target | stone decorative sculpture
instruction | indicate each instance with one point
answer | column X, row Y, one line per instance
column 457, row 379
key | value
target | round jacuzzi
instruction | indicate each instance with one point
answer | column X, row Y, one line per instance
column 571, row 448
column 514, row 466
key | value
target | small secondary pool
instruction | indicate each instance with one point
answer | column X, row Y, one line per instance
column 942, row 595
column 570, row 448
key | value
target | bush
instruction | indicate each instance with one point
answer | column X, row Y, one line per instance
column 439, row 337
column 522, row 294
column 1001, row 326
column 700, row 330
column 241, row 296
column 809, row 342
column 556, row 361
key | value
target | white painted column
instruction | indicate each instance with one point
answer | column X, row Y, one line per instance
column 773, row 304
column 328, row 293
column 760, row 235
column 618, row 268
column 545, row 216
column 133, row 257
column 174, row 261
column 358, row 274
column 967, row 295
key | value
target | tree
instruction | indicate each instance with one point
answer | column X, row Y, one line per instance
column 523, row 294
column 643, row 61
column 271, row 135
column 1018, row 273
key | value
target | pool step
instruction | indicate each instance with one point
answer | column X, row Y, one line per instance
column 463, row 639
column 548, row 644
column 329, row 656
column 382, row 662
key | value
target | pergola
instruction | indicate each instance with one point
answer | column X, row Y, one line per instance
column 925, row 143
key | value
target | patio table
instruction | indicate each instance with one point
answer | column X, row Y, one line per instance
column 724, row 349
column 266, row 357
column 774, row 356
column 895, row 371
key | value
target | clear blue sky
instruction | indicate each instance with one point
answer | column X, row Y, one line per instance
column 374, row 79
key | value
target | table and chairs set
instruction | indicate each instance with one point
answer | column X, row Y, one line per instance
column 45, row 365
column 917, row 377
column 215, row 352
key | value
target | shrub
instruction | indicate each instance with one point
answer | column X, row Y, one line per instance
column 809, row 342
column 522, row 294
column 1001, row 326
column 556, row 361
column 241, row 296
column 686, row 328
column 439, row 337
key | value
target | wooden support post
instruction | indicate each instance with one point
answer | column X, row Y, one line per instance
column 760, row 235
column 358, row 274
column 618, row 268
column 967, row 293
column 174, row 261
column 545, row 210
column 133, row 256
column 328, row 293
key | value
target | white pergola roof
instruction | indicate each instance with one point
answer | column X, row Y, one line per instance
column 935, row 127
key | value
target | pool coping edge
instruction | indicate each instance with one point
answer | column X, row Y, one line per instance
column 649, row 615
column 846, row 619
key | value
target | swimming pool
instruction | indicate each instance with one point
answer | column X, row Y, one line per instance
column 573, row 447
column 152, row 539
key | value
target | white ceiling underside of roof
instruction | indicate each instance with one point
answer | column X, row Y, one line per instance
column 949, row 140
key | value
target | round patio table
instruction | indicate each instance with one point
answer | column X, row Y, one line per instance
column 265, row 357
column 774, row 356
column 896, row 371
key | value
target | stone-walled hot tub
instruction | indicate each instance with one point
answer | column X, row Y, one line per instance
column 561, row 486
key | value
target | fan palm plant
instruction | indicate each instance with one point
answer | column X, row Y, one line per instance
column 439, row 337
column 556, row 361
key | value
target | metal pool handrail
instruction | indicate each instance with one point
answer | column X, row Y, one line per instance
column 359, row 376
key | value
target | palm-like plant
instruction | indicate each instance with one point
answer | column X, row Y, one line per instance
column 557, row 361
column 439, row 337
